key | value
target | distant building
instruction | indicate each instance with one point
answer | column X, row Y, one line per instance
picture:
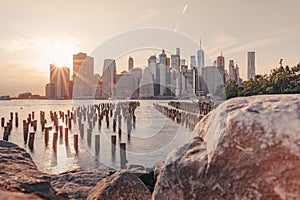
column 125, row 87
column 232, row 74
column 83, row 76
column 50, row 91
column 237, row 72
column 251, row 65
column 200, row 59
column 182, row 62
column 212, row 78
column 152, row 65
column 130, row 64
column 146, row 86
column 109, row 77
column 175, row 62
column 26, row 95
column 178, row 51
column 189, row 82
column 60, row 80
column 163, row 72
column 192, row 62
column 221, row 66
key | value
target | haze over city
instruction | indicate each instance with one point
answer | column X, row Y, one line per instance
column 35, row 34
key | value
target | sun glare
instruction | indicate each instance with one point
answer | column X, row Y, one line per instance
column 59, row 52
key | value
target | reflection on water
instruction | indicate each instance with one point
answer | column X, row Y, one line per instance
column 152, row 139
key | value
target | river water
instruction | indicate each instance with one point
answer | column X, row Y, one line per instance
column 154, row 137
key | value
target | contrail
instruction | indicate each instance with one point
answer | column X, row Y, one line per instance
column 185, row 8
column 183, row 12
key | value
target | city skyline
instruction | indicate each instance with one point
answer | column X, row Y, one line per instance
column 32, row 37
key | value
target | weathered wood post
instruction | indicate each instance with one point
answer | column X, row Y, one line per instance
column 81, row 129
column 46, row 136
column 17, row 120
column 120, row 124
column 89, row 136
column 70, row 123
column 75, row 143
column 2, row 121
column 60, row 131
column 123, row 155
column 66, row 136
column 114, row 125
column 6, row 133
column 113, row 145
column 97, row 144
column 25, row 131
column 54, row 141
column 31, row 141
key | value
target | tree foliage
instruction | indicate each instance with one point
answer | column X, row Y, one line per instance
column 282, row 80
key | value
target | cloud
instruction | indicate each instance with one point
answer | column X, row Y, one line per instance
column 220, row 41
column 148, row 15
column 26, row 42
column 273, row 37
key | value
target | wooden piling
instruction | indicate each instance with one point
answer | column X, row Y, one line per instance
column 46, row 136
column 113, row 146
column 54, row 141
column 70, row 123
column 81, row 129
column 76, row 143
column 114, row 125
column 60, row 131
column 66, row 136
column 31, row 141
column 25, row 131
column 5, row 134
column 123, row 155
column 89, row 136
column 2, row 121
column 97, row 144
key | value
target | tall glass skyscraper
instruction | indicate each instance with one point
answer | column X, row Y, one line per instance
column 251, row 65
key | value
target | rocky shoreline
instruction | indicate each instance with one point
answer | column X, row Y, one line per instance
column 247, row 148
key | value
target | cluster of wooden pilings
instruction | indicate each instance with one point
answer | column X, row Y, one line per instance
column 102, row 114
column 9, row 125
column 202, row 107
column 30, row 125
column 187, row 119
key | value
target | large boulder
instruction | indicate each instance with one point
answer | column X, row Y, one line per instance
column 20, row 174
column 78, row 183
column 247, row 148
column 6, row 195
column 122, row 185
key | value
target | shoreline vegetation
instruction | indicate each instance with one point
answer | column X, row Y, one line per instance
column 281, row 80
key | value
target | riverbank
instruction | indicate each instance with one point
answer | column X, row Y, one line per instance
column 247, row 148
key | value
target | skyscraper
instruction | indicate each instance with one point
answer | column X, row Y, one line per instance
column 152, row 65
column 175, row 62
column 221, row 66
column 163, row 72
column 200, row 59
column 178, row 51
column 59, row 82
column 251, row 65
column 193, row 61
column 130, row 64
column 231, row 70
column 109, row 77
column 83, row 75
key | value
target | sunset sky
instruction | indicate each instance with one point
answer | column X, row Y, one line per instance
column 36, row 33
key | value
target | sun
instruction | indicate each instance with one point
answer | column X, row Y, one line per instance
column 57, row 51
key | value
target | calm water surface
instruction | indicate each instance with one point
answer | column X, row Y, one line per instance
column 153, row 138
